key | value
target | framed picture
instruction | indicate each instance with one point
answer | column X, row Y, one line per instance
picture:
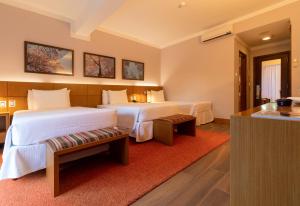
column 132, row 70
column 99, row 66
column 45, row 59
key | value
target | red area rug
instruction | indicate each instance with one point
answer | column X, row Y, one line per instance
column 99, row 182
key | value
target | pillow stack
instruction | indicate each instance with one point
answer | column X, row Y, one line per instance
column 48, row 99
column 155, row 96
column 114, row 97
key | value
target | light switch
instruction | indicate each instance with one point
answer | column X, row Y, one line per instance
column 12, row 103
column 2, row 104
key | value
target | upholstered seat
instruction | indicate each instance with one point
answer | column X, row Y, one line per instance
column 80, row 138
column 178, row 118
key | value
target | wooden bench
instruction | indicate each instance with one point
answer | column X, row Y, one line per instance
column 164, row 128
column 75, row 146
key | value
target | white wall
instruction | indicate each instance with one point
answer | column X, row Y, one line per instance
column 19, row 25
column 201, row 71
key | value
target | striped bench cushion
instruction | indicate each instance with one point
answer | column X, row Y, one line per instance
column 73, row 140
column 178, row 118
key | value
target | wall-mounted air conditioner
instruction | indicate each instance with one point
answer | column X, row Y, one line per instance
column 216, row 33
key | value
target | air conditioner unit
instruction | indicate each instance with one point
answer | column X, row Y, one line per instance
column 216, row 33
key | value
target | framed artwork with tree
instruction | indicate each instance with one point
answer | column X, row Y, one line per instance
column 99, row 66
column 45, row 59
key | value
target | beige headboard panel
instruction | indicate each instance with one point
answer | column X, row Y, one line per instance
column 87, row 95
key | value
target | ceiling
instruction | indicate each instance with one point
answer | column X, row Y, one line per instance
column 155, row 22
column 280, row 31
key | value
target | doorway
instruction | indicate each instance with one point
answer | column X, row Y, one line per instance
column 271, row 77
column 242, row 81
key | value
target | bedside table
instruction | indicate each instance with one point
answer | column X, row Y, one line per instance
column 4, row 124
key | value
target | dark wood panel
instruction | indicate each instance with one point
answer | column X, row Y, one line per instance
column 86, row 95
column 3, row 89
column 76, row 89
column 94, row 101
column 20, row 89
column 79, row 100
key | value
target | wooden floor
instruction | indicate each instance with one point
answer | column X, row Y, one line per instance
column 205, row 183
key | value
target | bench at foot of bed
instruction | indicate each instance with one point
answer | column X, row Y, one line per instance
column 71, row 147
column 164, row 128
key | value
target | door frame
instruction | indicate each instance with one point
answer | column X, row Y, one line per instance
column 243, row 82
column 257, row 72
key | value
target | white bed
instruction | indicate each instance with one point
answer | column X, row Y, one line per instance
column 139, row 116
column 24, row 149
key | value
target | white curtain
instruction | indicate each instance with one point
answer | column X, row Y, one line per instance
column 271, row 81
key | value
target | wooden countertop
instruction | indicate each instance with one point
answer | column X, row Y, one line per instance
column 272, row 111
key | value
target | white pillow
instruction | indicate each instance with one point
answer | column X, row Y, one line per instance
column 149, row 96
column 118, row 97
column 30, row 100
column 105, row 98
column 49, row 99
column 157, row 96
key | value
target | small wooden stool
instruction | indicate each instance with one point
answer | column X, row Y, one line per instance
column 163, row 128
column 71, row 147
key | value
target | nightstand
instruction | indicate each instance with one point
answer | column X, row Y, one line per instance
column 4, row 124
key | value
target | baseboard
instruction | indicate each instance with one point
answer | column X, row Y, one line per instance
column 222, row 121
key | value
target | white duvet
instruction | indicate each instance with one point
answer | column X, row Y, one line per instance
column 138, row 116
column 24, row 151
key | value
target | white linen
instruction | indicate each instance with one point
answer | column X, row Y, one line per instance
column 138, row 116
column 118, row 97
column 29, row 129
column 202, row 110
column 105, row 98
column 48, row 99
column 29, row 100
column 157, row 96
column 131, row 115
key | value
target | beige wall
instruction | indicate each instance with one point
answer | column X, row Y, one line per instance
column 291, row 12
column 195, row 71
column 201, row 71
column 18, row 25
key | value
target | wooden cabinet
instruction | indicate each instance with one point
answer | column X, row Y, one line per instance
column 264, row 161
column 4, row 124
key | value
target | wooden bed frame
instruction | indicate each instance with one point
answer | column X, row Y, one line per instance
column 86, row 95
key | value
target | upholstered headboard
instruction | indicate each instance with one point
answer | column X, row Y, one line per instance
column 87, row 95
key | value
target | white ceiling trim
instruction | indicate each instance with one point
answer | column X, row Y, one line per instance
column 93, row 16
column 239, row 19
column 68, row 19
column 129, row 37
column 37, row 9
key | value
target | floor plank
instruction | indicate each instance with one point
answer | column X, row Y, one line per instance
column 224, row 184
column 216, row 198
column 205, row 183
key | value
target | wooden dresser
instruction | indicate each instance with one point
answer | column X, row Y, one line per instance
column 265, row 157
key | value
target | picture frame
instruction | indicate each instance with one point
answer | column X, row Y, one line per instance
column 99, row 66
column 46, row 59
column 133, row 70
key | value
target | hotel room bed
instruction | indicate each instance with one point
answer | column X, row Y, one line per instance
column 24, row 149
column 139, row 116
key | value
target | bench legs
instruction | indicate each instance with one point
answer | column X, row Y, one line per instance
column 163, row 132
column 52, row 171
column 187, row 128
column 119, row 150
